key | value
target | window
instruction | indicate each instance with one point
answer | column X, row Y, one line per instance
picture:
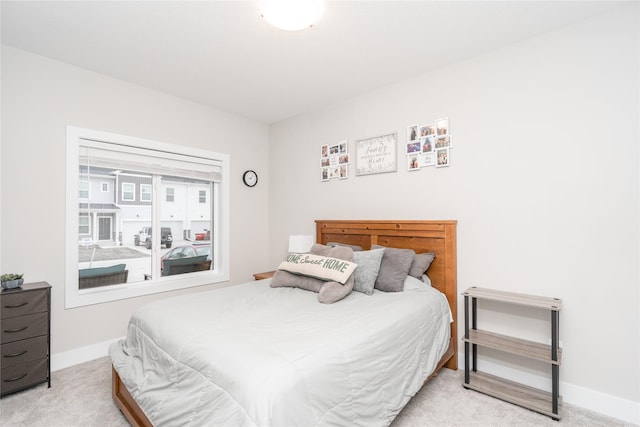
column 83, row 190
column 135, row 238
column 145, row 193
column 104, row 187
column 128, row 192
column 84, row 228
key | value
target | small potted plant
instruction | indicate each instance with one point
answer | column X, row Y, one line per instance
column 10, row 280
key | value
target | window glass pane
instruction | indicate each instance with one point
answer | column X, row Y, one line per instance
column 83, row 189
column 170, row 191
column 128, row 191
column 189, row 222
column 145, row 193
column 123, row 233
column 83, row 225
column 109, row 228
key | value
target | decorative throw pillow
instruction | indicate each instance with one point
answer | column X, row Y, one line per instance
column 367, row 271
column 320, row 267
column 331, row 292
column 394, row 268
column 283, row 278
column 328, row 292
column 354, row 247
column 421, row 263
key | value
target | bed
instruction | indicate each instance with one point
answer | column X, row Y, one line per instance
column 250, row 365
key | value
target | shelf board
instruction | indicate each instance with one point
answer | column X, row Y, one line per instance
column 554, row 304
column 512, row 392
column 525, row 348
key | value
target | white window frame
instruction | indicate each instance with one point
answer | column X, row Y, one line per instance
column 133, row 192
column 142, row 192
column 104, row 186
column 202, row 196
column 75, row 297
column 173, row 195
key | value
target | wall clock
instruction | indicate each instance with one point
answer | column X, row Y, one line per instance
column 250, row 178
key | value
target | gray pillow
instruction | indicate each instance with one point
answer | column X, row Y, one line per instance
column 283, row 278
column 354, row 247
column 421, row 263
column 367, row 271
column 394, row 268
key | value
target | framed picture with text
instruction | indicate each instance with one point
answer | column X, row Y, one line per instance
column 377, row 154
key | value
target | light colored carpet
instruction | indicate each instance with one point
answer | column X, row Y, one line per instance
column 81, row 396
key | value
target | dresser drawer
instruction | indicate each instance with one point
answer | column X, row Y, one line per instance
column 22, row 351
column 23, row 375
column 21, row 303
column 19, row 328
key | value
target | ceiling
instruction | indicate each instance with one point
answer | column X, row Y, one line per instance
column 222, row 54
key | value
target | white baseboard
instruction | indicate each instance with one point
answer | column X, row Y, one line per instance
column 80, row 355
column 605, row 404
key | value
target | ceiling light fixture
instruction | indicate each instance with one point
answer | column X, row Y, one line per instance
column 291, row 15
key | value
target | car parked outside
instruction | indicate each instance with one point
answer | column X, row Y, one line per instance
column 186, row 251
column 144, row 236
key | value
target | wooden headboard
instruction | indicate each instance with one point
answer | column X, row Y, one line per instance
column 438, row 237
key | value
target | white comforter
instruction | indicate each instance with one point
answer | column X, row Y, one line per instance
column 251, row 355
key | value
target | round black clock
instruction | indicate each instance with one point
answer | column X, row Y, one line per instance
column 250, row 178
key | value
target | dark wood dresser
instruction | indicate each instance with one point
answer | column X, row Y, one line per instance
column 25, row 324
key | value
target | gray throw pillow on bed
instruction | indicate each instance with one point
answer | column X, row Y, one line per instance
column 367, row 271
column 354, row 247
column 285, row 279
column 394, row 268
column 334, row 291
column 421, row 263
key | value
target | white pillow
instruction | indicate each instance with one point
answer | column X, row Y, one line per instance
column 411, row 283
column 426, row 280
column 318, row 266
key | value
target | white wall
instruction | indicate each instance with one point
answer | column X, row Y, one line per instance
column 40, row 97
column 543, row 182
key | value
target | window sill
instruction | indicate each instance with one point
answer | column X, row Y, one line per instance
column 92, row 296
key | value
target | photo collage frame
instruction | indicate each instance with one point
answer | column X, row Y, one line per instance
column 334, row 161
column 428, row 145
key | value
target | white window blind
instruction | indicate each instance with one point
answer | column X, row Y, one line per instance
column 149, row 161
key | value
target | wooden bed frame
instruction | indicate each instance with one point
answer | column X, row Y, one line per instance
column 438, row 237
column 422, row 236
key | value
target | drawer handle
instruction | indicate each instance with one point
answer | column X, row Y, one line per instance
column 16, row 354
column 11, row 331
column 16, row 306
column 10, row 380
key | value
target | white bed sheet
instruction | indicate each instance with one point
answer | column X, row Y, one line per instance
column 251, row 355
